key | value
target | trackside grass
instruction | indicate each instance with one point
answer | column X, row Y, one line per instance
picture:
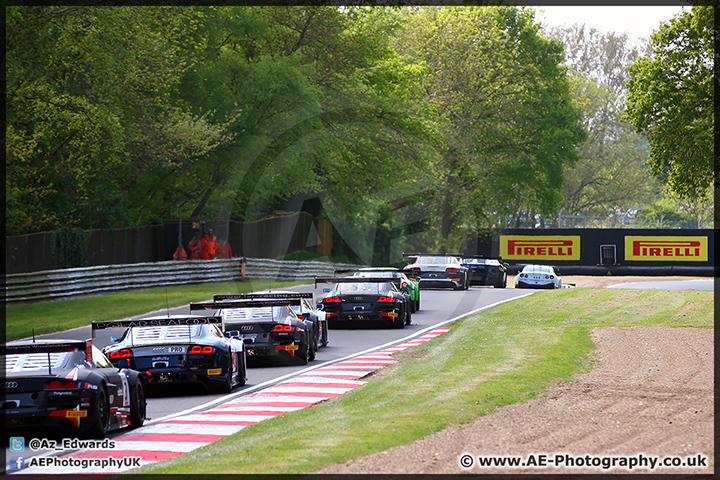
column 45, row 317
column 503, row 355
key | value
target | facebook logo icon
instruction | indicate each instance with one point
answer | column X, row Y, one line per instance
column 17, row 462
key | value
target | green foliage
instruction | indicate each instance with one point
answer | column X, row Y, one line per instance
column 670, row 101
column 391, row 117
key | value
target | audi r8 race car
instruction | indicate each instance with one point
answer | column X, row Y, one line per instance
column 269, row 328
column 354, row 300
column 68, row 384
column 538, row 276
column 307, row 309
column 401, row 281
column 486, row 271
column 178, row 349
column 438, row 270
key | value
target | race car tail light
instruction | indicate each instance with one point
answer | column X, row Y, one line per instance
column 386, row 299
column 60, row 384
column 330, row 314
column 200, row 349
column 332, row 299
column 124, row 353
column 282, row 328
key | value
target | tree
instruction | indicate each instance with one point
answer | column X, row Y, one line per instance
column 93, row 126
column 504, row 113
column 610, row 175
column 670, row 101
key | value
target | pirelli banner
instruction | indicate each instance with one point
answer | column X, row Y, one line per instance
column 666, row 249
column 651, row 247
column 549, row 248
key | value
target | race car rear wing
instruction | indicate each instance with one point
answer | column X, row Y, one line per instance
column 483, row 257
column 251, row 296
column 25, row 348
column 244, row 304
column 157, row 322
column 154, row 322
column 378, row 269
column 412, row 255
column 48, row 348
column 354, row 280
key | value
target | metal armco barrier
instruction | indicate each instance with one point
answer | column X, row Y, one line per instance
column 83, row 282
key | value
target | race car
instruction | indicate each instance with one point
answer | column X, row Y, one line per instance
column 433, row 270
column 269, row 328
column 68, row 384
column 178, row 349
column 538, row 276
column 401, row 281
column 486, row 271
column 354, row 300
column 307, row 309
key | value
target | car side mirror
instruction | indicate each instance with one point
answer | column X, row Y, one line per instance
column 115, row 339
column 232, row 334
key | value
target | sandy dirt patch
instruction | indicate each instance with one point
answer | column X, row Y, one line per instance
column 651, row 394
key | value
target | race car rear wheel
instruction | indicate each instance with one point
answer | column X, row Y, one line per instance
column 138, row 404
column 227, row 385
column 102, row 416
column 325, row 334
column 242, row 368
column 302, row 354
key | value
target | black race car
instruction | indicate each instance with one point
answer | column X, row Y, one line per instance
column 437, row 270
column 307, row 310
column 269, row 328
column 486, row 271
column 178, row 349
column 68, row 384
column 355, row 300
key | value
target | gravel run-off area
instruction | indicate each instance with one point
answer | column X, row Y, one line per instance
column 651, row 396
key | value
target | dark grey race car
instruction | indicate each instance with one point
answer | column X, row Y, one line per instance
column 68, row 384
column 179, row 349
column 269, row 328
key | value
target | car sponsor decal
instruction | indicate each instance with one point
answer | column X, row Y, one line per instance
column 169, row 438
column 540, row 247
column 76, row 413
column 663, row 249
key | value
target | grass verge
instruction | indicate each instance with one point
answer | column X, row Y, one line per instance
column 46, row 317
column 504, row 355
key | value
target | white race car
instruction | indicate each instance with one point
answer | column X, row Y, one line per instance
column 538, row 276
